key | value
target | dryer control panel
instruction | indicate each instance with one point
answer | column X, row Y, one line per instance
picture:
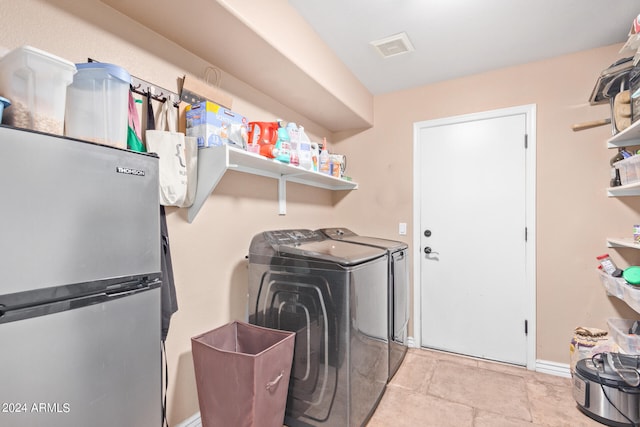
column 292, row 237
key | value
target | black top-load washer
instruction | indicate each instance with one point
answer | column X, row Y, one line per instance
column 334, row 296
column 398, row 288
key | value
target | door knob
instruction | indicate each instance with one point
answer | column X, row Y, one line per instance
column 427, row 250
column 427, row 233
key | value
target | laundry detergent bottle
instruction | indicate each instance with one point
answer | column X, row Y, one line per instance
column 283, row 144
column 304, row 150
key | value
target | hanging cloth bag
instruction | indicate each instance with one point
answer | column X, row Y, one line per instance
column 191, row 157
column 134, row 133
column 170, row 147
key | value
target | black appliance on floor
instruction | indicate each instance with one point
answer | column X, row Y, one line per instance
column 334, row 296
column 398, row 288
column 607, row 388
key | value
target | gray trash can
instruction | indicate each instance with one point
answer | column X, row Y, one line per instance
column 242, row 375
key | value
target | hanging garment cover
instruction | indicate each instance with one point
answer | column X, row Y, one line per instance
column 168, row 301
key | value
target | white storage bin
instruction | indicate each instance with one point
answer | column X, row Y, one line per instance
column 632, row 173
column 619, row 330
column 613, row 285
column 36, row 84
column 629, row 169
column 632, row 296
column 98, row 104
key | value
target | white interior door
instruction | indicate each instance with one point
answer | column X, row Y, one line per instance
column 474, row 296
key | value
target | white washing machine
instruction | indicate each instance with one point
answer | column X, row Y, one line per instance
column 334, row 296
column 398, row 289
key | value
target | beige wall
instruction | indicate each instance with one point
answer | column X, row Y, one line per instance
column 574, row 216
column 573, row 213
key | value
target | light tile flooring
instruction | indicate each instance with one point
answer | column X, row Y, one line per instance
column 435, row 389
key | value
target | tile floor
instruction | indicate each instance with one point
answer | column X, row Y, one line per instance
column 435, row 389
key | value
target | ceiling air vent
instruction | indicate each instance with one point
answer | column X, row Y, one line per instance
column 393, row 45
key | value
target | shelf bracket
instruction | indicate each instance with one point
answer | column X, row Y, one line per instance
column 282, row 195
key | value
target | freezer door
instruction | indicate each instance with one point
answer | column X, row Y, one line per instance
column 74, row 212
column 97, row 366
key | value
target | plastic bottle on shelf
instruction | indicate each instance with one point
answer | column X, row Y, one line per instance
column 325, row 160
column 304, row 150
column 283, row 145
column 336, row 164
column 315, row 156
column 294, row 140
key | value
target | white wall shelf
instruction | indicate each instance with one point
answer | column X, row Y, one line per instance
column 624, row 190
column 214, row 162
column 624, row 242
column 629, row 136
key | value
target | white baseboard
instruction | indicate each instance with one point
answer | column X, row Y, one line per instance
column 542, row 366
column 553, row 368
column 192, row 421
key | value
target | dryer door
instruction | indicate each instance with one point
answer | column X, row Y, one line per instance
column 302, row 304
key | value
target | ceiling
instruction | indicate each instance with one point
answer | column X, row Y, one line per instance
column 456, row 38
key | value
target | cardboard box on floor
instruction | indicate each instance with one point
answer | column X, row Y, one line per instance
column 195, row 90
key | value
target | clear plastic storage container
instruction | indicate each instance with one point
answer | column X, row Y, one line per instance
column 36, row 84
column 614, row 285
column 619, row 329
column 629, row 169
column 98, row 104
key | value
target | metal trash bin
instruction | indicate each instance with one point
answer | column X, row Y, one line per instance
column 242, row 375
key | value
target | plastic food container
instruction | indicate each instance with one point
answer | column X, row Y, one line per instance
column 632, row 275
column 98, row 104
column 36, row 83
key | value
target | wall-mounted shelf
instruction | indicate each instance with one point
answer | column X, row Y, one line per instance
column 214, row 162
column 623, row 242
column 624, row 190
column 629, row 136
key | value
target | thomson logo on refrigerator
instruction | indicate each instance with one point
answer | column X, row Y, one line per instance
column 129, row 171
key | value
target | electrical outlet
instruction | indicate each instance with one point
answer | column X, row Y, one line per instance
column 402, row 228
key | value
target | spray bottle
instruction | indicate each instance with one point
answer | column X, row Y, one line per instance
column 325, row 160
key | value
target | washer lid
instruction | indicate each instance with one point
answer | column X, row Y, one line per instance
column 346, row 235
column 341, row 253
column 377, row 242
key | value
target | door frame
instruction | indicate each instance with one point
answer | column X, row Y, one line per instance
column 529, row 111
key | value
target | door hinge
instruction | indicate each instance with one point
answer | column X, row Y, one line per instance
column 526, row 327
column 526, row 234
column 526, row 141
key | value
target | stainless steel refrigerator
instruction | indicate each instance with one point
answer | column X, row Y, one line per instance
column 79, row 284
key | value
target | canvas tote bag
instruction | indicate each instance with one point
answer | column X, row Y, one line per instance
column 178, row 157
